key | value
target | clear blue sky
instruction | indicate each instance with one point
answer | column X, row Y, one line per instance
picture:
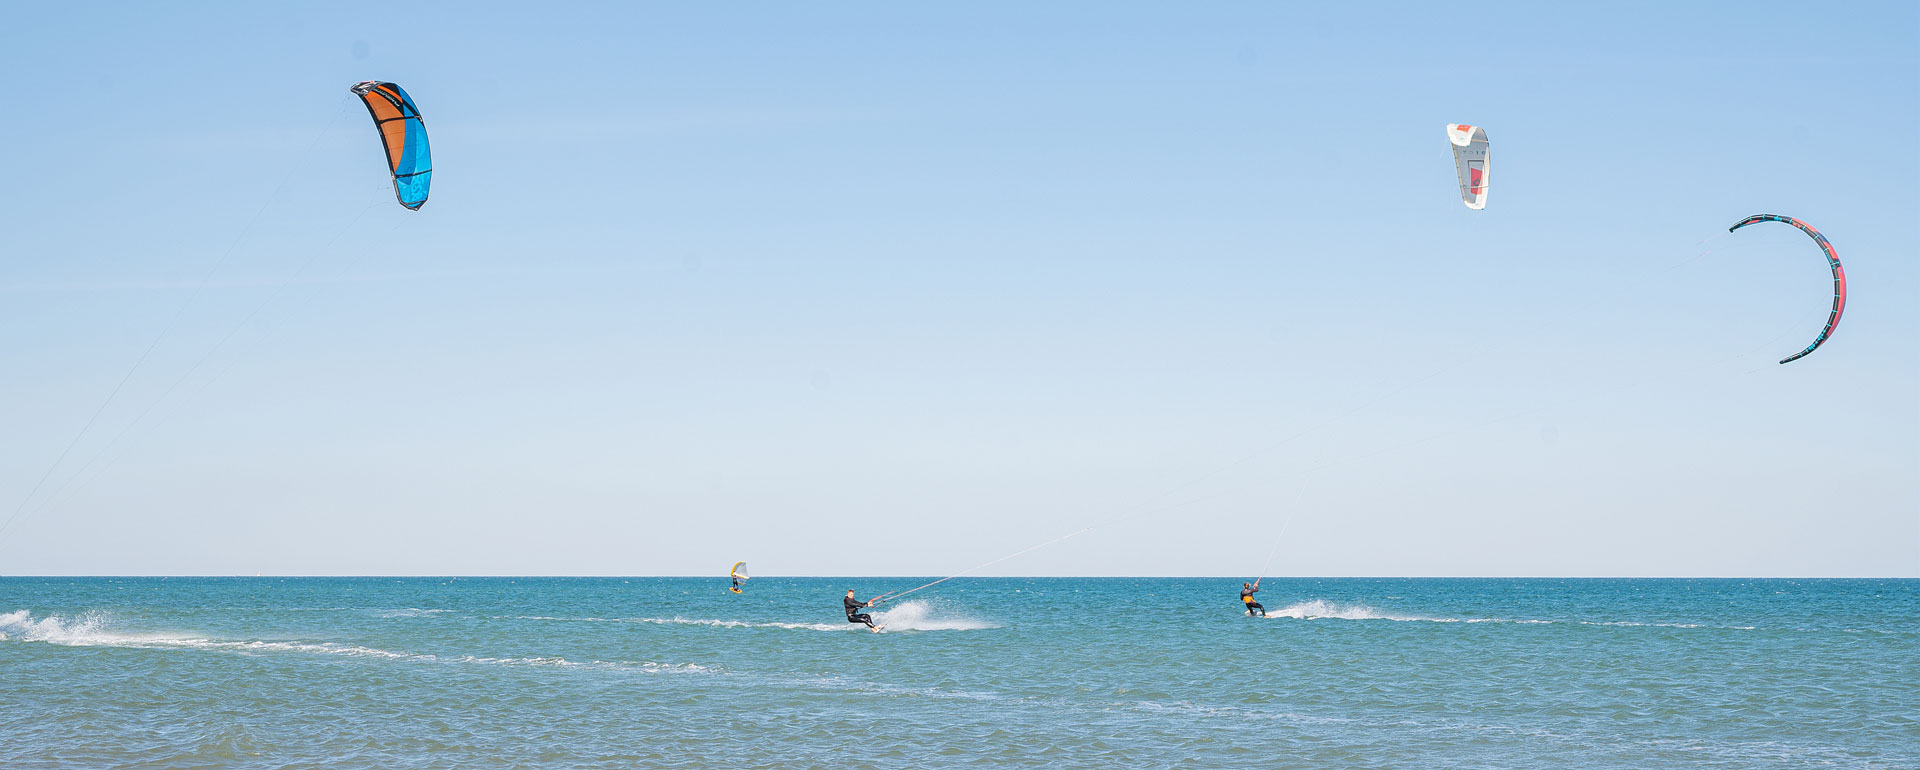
column 873, row 289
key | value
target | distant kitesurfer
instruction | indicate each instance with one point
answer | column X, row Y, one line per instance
column 1247, row 590
column 739, row 575
column 854, row 614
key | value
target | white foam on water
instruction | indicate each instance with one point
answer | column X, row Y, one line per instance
column 918, row 615
column 734, row 623
column 89, row 630
column 843, row 684
column 676, row 620
column 908, row 616
column 1633, row 624
column 412, row 612
column 1212, row 712
column 1321, row 609
column 92, row 630
column 648, row 666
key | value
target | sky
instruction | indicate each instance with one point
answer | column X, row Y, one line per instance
column 874, row 289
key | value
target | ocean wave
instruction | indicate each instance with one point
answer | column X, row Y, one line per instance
column 410, row 612
column 844, row 684
column 93, row 630
column 1215, row 712
column 1635, row 624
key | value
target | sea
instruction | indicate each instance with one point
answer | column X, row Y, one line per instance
column 400, row 673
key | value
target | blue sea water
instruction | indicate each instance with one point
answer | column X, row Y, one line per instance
column 1007, row 672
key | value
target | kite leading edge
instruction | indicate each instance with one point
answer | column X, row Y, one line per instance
column 1833, row 261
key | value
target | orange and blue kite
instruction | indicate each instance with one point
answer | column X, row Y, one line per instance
column 403, row 136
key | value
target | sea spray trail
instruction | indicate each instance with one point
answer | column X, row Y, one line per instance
column 908, row 616
column 918, row 615
column 1318, row 609
column 91, row 631
column 668, row 672
column 709, row 622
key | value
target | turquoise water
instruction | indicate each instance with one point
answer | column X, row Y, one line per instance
column 1057, row 673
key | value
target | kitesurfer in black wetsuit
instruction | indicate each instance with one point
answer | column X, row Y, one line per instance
column 1247, row 590
column 854, row 607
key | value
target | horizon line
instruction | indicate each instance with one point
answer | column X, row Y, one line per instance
column 990, row 577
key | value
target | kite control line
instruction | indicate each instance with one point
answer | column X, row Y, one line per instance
column 898, row 594
column 167, row 329
column 1279, row 540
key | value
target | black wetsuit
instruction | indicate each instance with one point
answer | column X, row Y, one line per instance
column 854, row 615
column 1246, row 598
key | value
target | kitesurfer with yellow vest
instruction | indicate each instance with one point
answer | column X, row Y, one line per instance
column 1247, row 590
